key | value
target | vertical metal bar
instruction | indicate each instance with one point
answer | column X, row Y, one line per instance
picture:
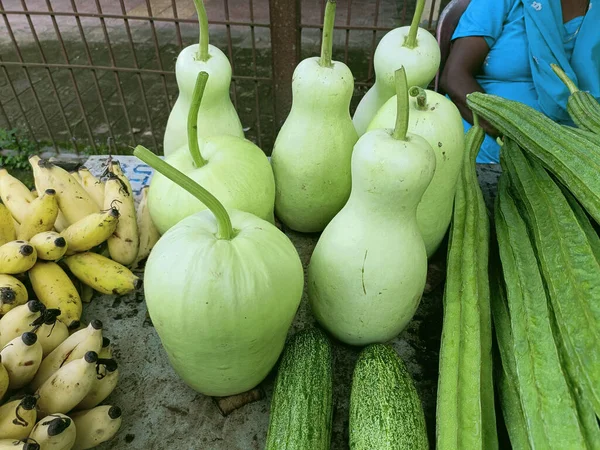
column 177, row 27
column 374, row 40
column 230, row 51
column 285, row 45
column 347, row 45
column 16, row 96
column 72, row 76
column 157, row 48
column 257, row 102
column 431, row 11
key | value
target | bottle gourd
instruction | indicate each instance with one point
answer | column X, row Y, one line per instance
column 217, row 115
column 311, row 155
column 368, row 270
column 435, row 118
column 412, row 47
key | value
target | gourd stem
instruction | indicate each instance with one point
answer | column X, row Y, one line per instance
column 411, row 39
column 224, row 228
column 327, row 41
column 564, row 78
column 402, row 105
column 202, row 54
column 475, row 119
column 421, row 95
column 192, row 120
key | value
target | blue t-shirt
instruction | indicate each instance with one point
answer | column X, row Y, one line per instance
column 506, row 71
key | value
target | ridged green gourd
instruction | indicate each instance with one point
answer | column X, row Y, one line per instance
column 235, row 171
column 312, row 152
column 222, row 288
column 411, row 47
column 368, row 270
column 217, row 115
column 438, row 120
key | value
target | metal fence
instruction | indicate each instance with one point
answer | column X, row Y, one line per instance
column 98, row 76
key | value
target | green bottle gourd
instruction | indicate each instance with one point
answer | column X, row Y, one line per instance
column 235, row 171
column 412, row 47
column 438, row 120
column 312, row 152
column 217, row 115
column 368, row 270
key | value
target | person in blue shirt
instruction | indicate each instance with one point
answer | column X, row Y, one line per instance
column 505, row 48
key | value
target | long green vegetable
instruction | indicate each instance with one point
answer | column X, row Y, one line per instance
column 584, row 222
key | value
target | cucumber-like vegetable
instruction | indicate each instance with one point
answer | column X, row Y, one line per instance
column 301, row 408
column 546, row 400
column 385, row 409
column 569, row 267
column 584, row 222
column 570, row 156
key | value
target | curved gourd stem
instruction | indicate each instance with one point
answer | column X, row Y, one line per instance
column 327, row 43
column 475, row 119
column 421, row 95
column 411, row 39
column 202, row 54
column 402, row 105
column 192, row 120
column 564, row 78
column 224, row 228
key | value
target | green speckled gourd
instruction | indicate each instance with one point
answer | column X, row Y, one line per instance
column 301, row 408
column 386, row 412
column 312, row 152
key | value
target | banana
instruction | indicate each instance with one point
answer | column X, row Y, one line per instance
column 49, row 245
column 54, row 289
column 41, row 217
column 90, row 231
column 104, row 384
column 17, row 257
column 96, row 425
column 15, row 195
column 13, row 293
column 17, row 418
column 4, row 380
column 75, row 175
column 34, row 192
column 92, row 185
column 86, row 292
column 102, row 274
column 11, row 444
column 68, row 386
column 106, row 352
column 124, row 244
column 55, row 432
column 19, row 320
column 21, row 357
column 50, row 331
column 7, row 227
column 73, row 200
column 149, row 235
column 61, row 223
column 74, row 347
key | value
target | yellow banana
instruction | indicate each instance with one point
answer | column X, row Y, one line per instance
column 17, row 257
column 91, row 231
column 34, row 192
column 11, row 444
column 67, row 386
column 55, row 432
column 4, row 380
column 87, row 292
column 49, row 245
column 55, row 289
column 104, row 384
column 149, row 234
column 72, row 348
column 12, row 293
column 50, row 331
column 19, row 320
column 96, row 425
column 21, row 357
column 102, row 274
column 41, row 217
column 73, row 200
column 7, row 227
column 61, row 223
column 106, row 351
column 75, row 175
column 17, row 418
column 15, row 195
column 124, row 244
column 92, row 185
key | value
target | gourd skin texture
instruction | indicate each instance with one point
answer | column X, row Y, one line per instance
column 421, row 64
column 237, row 172
column 217, row 114
column 441, row 125
column 222, row 308
column 368, row 270
column 312, row 152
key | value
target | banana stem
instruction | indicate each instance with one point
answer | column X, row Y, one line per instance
column 224, row 228
column 564, row 78
column 421, row 96
column 192, row 120
column 327, row 42
column 411, row 39
column 202, row 54
column 402, row 105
